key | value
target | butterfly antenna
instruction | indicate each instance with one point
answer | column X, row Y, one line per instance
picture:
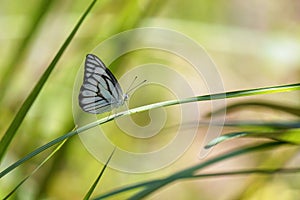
column 130, row 89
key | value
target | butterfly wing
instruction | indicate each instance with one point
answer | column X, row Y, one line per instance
column 100, row 91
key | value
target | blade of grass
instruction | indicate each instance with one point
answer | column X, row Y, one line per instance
column 92, row 188
column 283, row 88
column 21, row 52
column 217, row 174
column 260, row 124
column 190, row 171
column 54, row 167
column 225, row 137
column 242, row 105
column 127, row 188
column 246, row 172
column 36, row 169
column 284, row 134
column 36, row 152
column 240, row 93
column 153, row 185
column 18, row 119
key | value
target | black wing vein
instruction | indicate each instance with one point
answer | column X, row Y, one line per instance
column 100, row 91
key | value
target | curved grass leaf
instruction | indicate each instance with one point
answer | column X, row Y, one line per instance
column 261, row 125
column 242, row 105
column 92, row 188
column 247, row 172
column 18, row 119
column 192, row 170
column 225, row 137
column 283, row 88
column 288, row 135
column 291, row 135
column 36, row 169
column 36, row 19
column 151, row 186
column 217, row 174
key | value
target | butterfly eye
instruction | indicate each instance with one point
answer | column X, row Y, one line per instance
column 126, row 97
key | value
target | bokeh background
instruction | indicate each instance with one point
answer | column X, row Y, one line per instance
column 253, row 43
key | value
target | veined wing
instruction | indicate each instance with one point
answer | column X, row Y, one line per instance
column 100, row 91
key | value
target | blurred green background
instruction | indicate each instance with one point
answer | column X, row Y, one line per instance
column 253, row 43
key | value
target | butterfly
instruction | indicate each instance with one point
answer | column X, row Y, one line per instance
column 100, row 91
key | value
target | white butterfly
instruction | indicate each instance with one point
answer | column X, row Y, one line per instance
column 100, row 91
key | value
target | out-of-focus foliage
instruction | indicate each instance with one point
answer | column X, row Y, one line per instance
column 253, row 43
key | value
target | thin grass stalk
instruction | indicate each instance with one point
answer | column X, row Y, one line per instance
column 265, row 90
column 18, row 119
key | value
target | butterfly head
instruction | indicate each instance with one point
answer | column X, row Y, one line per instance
column 125, row 97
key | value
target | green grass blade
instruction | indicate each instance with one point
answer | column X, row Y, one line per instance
column 283, row 88
column 234, row 94
column 128, row 188
column 92, row 188
column 243, row 105
column 247, row 172
column 36, row 169
column 260, row 124
column 187, row 173
column 36, row 152
column 217, row 174
column 285, row 132
column 21, row 52
column 11, row 131
column 192, row 170
column 225, row 137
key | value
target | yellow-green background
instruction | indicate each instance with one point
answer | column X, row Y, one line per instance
column 253, row 43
